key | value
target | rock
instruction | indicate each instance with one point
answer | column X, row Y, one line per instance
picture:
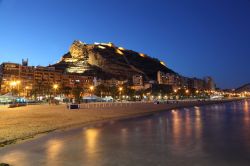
column 244, row 88
column 107, row 60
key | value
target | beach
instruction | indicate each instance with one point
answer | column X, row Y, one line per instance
column 22, row 123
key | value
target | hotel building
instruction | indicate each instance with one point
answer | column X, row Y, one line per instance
column 24, row 78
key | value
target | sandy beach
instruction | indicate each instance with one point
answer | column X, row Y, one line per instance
column 25, row 122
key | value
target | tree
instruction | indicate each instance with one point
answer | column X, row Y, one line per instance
column 101, row 90
column 77, row 93
column 113, row 91
column 66, row 90
column 157, row 89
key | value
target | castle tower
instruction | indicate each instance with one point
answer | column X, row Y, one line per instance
column 25, row 62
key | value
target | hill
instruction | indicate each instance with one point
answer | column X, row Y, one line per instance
column 105, row 60
column 244, row 88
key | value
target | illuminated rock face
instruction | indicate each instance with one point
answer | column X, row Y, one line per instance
column 105, row 60
column 77, row 50
column 78, row 61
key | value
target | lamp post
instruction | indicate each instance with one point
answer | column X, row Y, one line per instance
column 18, row 83
column 55, row 87
column 120, row 91
column 175, row 93
column 14, row 84
column 26, row 91
column 197, row 92
column 187, row 92
column 91, row 89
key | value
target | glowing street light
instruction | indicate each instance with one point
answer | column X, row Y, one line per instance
column 187, row 91
column 91, row 88
column 55, row 86
column 13, row 84
column 120, row 90
column 26, row 90
column 18, row 82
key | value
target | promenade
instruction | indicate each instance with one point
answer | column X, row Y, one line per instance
column 25, row 122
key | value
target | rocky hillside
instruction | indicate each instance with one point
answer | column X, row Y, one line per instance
column 244, row 88
column 105, row 60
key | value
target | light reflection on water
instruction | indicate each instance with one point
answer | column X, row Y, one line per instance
column 188, row 125
column 15, row 158
column 54, row 147
column 210, row 135
column 91, row 138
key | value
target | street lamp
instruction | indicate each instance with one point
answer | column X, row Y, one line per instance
column 18, row 82
column 26, row 90
column 120, row 90
column 13, row 84
column 55, row 87
column 91, row 89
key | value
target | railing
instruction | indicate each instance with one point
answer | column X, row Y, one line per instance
column 110, row 104
column 129, row 104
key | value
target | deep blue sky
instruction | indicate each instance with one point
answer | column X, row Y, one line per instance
column 194, row 37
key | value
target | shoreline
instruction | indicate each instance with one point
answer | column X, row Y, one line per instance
column 127, row 115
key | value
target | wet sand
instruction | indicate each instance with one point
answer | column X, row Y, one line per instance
column 26, row 122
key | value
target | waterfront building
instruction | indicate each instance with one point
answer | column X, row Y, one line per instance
column 173, row 80
column 24, row 78
column 177, row 81
column 196, row 83
column 137, row 80
column 109, row 82
column 210, row 85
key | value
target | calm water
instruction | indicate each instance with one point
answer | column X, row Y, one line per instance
column 202, row 136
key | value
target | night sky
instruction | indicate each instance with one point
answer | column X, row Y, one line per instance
column 194, row 37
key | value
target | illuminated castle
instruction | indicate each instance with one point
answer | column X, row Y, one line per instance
column 78, row 62
column 107, row 61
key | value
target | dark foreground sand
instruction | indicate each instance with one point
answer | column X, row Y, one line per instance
column 25, row 122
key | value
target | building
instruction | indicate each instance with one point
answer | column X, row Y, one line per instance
column 24, row 78
column 168, row 79
column 109, row 83
column 209, row 83
column 196, row 83
column 137, row 82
